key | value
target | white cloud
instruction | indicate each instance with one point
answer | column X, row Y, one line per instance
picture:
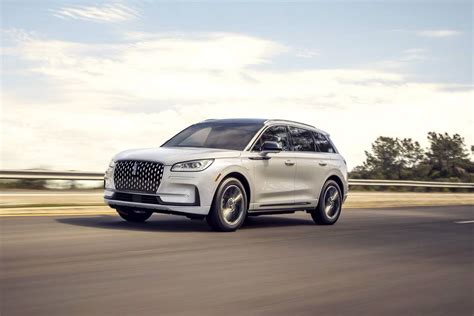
column 405, row 59
column 414, row 54
column 115, row 12
column 438, row 33
column 307, row 53
column 139, row 92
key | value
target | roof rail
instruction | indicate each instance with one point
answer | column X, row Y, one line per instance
column 289, row 121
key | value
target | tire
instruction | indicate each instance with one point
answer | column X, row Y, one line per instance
column 329, row 206
column 134, row 215
column 229, row 207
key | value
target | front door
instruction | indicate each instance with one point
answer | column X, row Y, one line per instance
column 274, row 176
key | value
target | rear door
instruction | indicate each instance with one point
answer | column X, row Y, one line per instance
column 274, row 178
column 311, row 166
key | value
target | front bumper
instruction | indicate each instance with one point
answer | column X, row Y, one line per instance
column 172, row 209
column 179, row 192
column 117, row 199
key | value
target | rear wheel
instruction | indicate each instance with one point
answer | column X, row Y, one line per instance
column 134, row 215
column 329, row 206
column 229, row 207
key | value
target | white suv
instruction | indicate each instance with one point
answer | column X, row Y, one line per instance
column 225, row 170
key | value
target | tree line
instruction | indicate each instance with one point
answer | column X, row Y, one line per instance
column 445, row 159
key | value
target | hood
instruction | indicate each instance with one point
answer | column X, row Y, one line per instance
column 172, row 155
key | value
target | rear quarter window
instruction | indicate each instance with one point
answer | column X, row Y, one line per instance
column 323, row 143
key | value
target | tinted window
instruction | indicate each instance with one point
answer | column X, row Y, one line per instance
column 277, row 134
column 234, row 136
column 323, row 143
column 302, row 139
column 197, row 138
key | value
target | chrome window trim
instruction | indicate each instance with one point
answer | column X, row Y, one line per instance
column 271, row 123
column 254, row 139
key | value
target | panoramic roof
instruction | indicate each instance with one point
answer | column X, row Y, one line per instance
column 263, row 121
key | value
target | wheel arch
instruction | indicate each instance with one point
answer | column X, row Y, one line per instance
column 243, row 179
column 339, row 182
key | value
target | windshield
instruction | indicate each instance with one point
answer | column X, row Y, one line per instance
column 233, row 136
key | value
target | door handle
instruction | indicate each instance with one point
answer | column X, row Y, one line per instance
column 323, row 163
column 289, row 162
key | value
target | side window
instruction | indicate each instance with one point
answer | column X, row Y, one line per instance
column 277, row 134
column 323, row 143
column 302, row 139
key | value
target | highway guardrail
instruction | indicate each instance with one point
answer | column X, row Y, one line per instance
column 98, row 176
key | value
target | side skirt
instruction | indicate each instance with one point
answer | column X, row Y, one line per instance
column 289, row 210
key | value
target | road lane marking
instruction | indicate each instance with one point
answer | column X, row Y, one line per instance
column 465, row 222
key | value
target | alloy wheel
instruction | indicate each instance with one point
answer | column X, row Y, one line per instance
column 232, row 204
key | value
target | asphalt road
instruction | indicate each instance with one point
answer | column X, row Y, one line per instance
column 411, row 261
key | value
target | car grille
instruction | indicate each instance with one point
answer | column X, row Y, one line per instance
column 138, row 198
column 139, row 176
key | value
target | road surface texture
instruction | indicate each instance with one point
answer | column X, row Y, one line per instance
column 405, row 261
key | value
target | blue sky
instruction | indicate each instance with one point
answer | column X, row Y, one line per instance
column 357, row 69
column 351, row 34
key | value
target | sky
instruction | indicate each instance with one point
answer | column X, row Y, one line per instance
column 83, row 80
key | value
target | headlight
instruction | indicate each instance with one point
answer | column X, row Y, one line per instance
column 109, row 176
column 194, row 165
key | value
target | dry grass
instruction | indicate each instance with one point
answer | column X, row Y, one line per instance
column 30, row 203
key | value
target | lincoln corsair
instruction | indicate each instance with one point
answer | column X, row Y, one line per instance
column 228, row 169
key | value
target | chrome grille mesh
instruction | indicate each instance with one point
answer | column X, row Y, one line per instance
column 140, row 176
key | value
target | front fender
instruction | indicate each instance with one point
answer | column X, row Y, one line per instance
column 235, row 168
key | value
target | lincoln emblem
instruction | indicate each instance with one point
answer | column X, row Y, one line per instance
column 134, row 169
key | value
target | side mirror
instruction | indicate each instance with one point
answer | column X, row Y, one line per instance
column 270, row 147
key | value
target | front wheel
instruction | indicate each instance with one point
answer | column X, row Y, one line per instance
column 229, row 207
column 134, row 215
column 329, row 206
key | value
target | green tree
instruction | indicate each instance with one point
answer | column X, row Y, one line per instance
column 383, row 161
column 391, row 158
column 404, row 159
column 447, row 157
column 412, row 156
